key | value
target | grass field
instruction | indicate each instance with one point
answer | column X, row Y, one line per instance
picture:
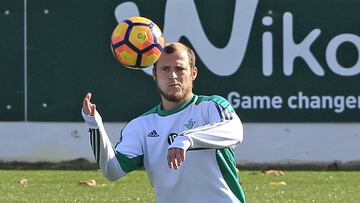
column 63, row 186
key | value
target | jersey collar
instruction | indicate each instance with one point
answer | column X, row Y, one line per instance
column 176, row 109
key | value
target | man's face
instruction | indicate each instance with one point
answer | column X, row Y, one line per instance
column 174, row 76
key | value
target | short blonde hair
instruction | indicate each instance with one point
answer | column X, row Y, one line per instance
column 172, row 47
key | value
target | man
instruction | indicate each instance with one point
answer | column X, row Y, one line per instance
column 185, row 143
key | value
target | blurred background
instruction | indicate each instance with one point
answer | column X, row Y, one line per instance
column 291, row 70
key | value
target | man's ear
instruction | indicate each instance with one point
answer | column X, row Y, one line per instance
column 194, row 73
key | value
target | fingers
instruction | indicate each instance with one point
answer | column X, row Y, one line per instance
column 93, row 108
column 88, row 96
column 88, row 107
column 175, row 157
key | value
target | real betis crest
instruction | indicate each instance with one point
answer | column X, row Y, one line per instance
column 190, row 124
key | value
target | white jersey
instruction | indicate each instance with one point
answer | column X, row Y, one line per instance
column 207, row 123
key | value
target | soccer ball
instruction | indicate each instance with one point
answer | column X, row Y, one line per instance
column 137, row 42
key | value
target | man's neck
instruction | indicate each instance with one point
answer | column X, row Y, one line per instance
column 167, row 105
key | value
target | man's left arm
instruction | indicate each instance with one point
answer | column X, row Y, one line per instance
column 222, row 134
column 224, row 130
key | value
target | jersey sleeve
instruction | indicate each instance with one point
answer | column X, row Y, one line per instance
column 224, row 129
column 114, row 164
column 129, row 150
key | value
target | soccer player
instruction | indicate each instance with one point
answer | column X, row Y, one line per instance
column 186, row 143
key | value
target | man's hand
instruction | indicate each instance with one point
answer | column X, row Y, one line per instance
column 175, row 157
column 88, row 107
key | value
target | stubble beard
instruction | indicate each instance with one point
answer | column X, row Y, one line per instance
column 176, row 97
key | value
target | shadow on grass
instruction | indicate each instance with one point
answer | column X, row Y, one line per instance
column 84, row 164
column 295, row 166
column 76, row 164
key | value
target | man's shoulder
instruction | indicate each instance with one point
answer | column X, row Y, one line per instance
column 214, row 98
column 142, row 119
column 219, row 100
column 149, row 112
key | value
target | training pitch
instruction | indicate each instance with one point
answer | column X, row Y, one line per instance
column 79, row 186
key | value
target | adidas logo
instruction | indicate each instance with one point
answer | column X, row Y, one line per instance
column 153, row 134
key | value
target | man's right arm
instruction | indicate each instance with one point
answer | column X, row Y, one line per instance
column 104, row 153
column 113, row 163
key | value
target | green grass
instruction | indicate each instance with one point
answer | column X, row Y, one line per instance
column 63, row 186
column 303, row 186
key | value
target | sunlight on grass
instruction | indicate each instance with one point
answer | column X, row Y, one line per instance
column 63, row 186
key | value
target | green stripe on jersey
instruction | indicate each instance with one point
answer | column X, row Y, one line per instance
column 195, row 99
column 226, row 160
column 129, row 164
column 151, row 111
column 217, row 99
column 162, row 112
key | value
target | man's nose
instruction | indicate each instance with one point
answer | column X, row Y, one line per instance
column 172, row 74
